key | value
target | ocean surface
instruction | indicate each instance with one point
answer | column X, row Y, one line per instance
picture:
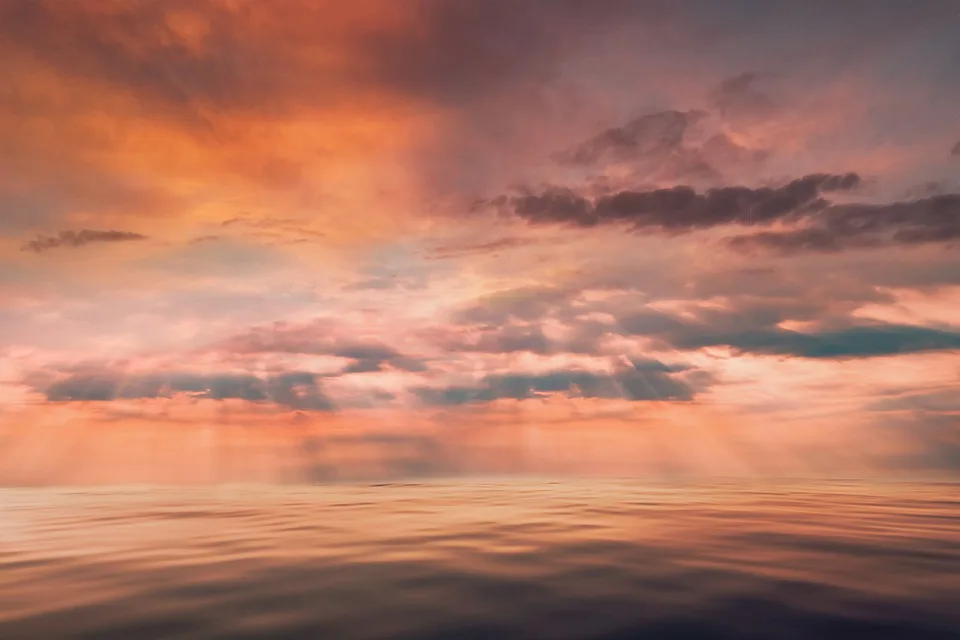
column 475, row 559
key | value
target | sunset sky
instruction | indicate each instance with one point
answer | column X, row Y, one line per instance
column 288, row 240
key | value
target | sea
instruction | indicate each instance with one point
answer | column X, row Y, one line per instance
column 471, row 559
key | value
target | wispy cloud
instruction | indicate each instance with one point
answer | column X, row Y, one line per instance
column 79, row 239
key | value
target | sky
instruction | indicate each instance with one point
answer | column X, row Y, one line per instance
column 313, row 240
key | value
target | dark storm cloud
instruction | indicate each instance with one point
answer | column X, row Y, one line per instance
column 78, row 239
column 651, row 135
column 295, row 390
column 681, row 208
column 839, row 227
column 638, row 383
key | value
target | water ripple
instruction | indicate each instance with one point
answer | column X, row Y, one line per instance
column 585, row 559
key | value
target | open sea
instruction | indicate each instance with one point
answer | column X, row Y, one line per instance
column 472, row 559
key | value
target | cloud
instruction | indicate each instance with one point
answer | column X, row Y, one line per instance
column 644, row 381
column 748, row 332
column 681, row 208
column 79, row 239
column 721, row 151
column 465, row 50
column 556, row 204
column 654, row 135
column 511, row 337
column 317, row 339
column 524, row 303
column 180, row 57
column 664, row 146
column 853, row 342
column 459, row 250
column 392, row 282
column 364, row 351
column 828, row 226
column 504, row 339
column 751, row 319
column 938, row 401
column 738, row 97
column 182, row 111
column 956, row 150
column 298, row 390
column 280, row 230
column 839, row 227
column 189, row 56
column 294, row 390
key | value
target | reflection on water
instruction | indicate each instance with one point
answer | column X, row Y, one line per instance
column 510, row 559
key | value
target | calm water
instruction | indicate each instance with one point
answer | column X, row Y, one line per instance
column 511, row 559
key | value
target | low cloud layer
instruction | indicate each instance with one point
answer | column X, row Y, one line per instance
column 681, row 209
column 819, row 224
column 747, row 323
column 292, row 390
column 839, row 227
column 648, row 381
column 852, row 342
